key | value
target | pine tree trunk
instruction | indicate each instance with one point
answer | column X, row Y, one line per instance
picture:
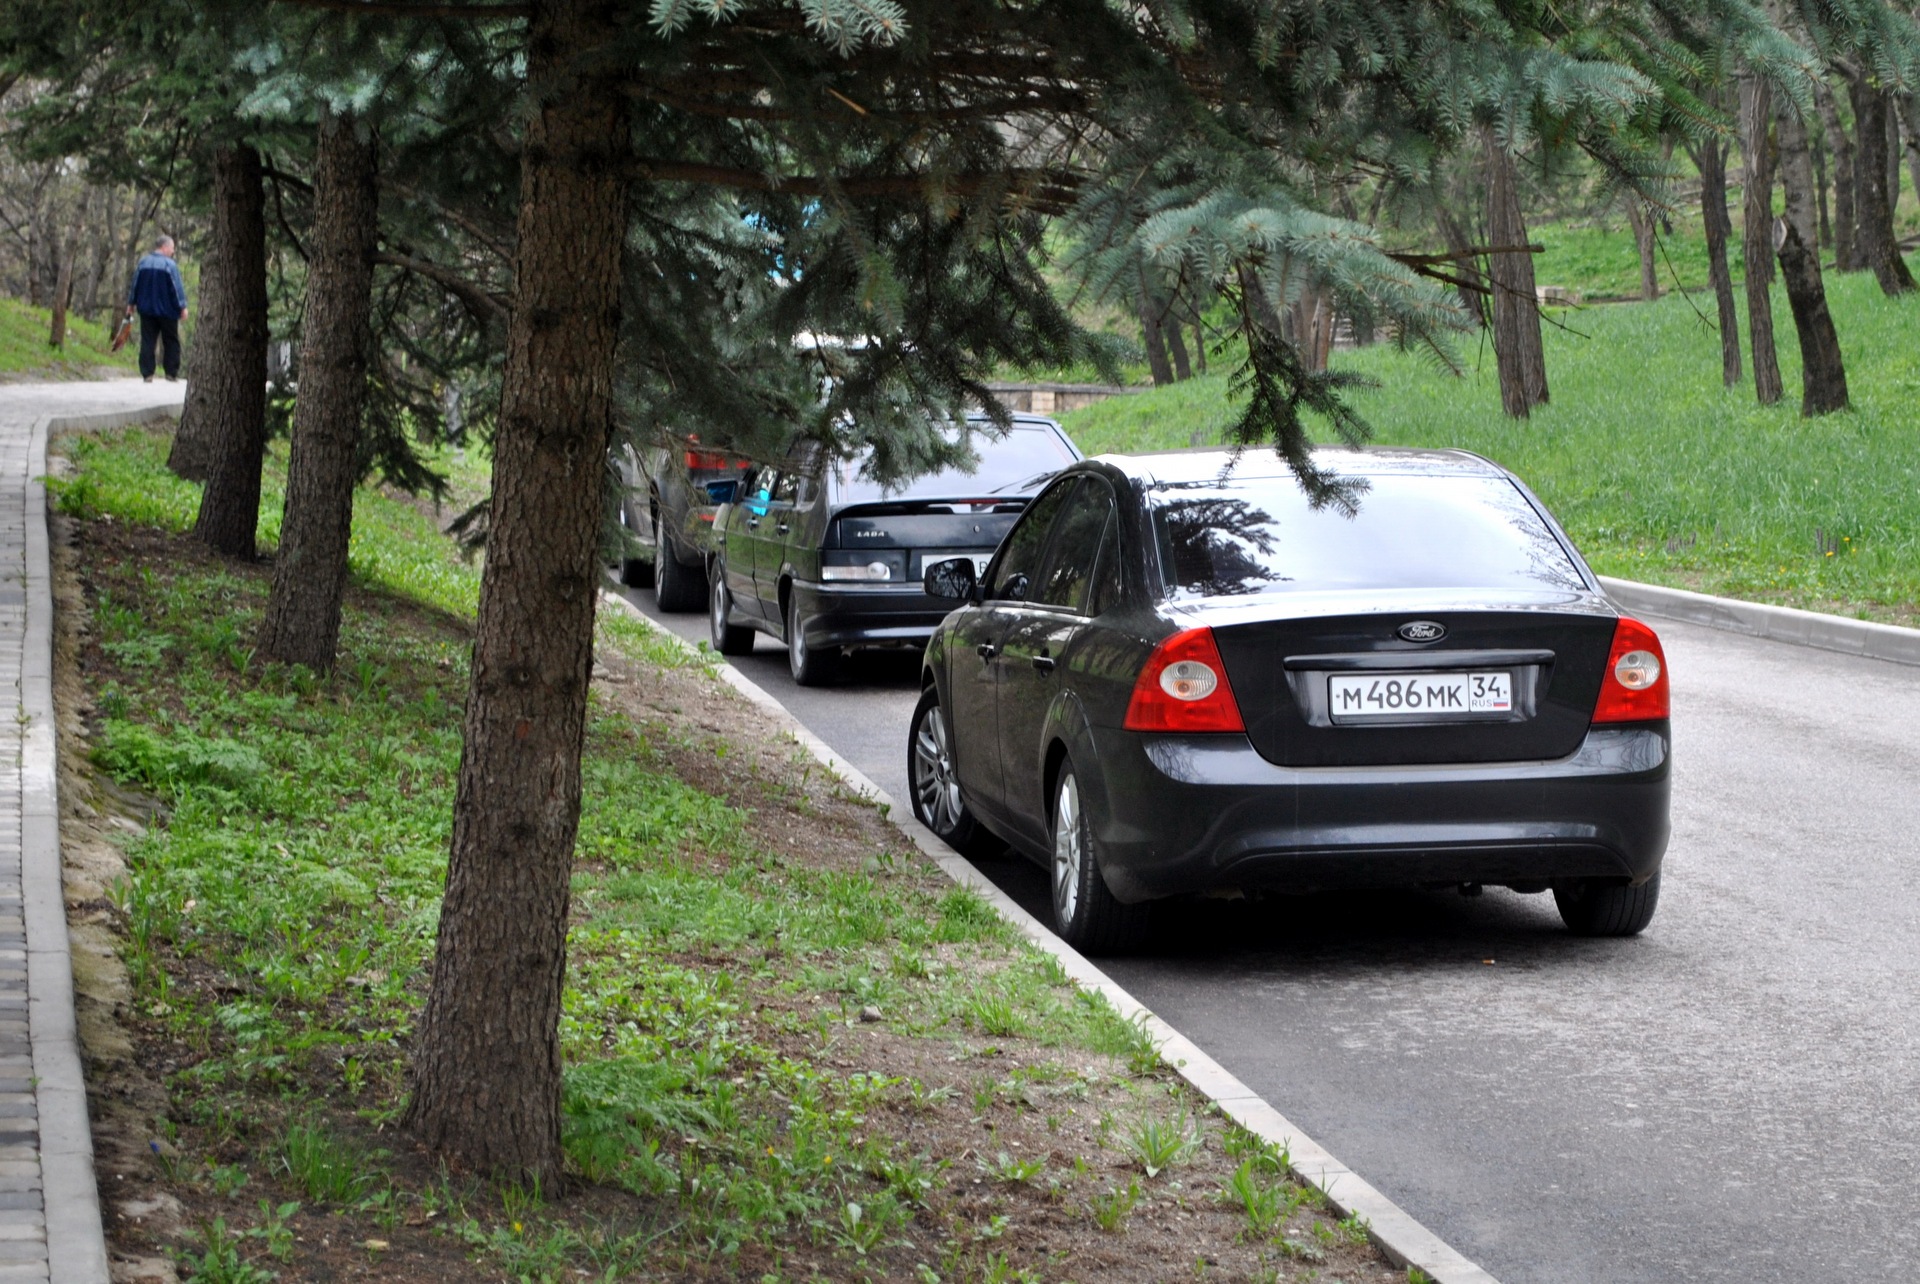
column 1816, row 143
column 485, row 1068
column 1176, row 343
column 1757, row 215
column 62, row 289
column 1710, row 158
column 302, row 624
column 1796, row 172
column 1910, row 118
column 1152, row 338
column 1517, row 347
column 1467, row 267
column 1846, row 258
column 233, row 365
column 1640, row 219
column 207, row 359
column 1823, row 371
column 1873, row 207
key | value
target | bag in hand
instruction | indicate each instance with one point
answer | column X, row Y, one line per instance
column 124, row 333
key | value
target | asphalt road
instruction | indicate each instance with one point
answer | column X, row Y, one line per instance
column 1730, row 1097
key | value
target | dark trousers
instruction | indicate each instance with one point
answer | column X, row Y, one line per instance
column 167, row 330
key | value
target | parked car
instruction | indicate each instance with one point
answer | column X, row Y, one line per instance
column 1176, row 676
column 665, row 507
column 826, row 560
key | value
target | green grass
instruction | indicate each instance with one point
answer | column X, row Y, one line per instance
column 24, row 349
column 279, row 924
column 1658, row 472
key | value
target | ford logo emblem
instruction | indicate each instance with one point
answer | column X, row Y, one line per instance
column 1422, row 631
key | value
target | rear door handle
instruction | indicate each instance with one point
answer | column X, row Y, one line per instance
column 987, row 650
column 781, row 529
column 1043, row 663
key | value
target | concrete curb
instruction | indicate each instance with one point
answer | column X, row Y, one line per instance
column 76, row 1239
column 1777, row 623
column 1405, row 1241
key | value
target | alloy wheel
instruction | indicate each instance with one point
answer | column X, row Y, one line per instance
column 935, row 786
column 1068, row 851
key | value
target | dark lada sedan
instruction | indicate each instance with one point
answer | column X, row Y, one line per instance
column 1176, row 676
column 827, row 561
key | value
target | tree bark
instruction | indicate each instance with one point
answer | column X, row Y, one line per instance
column 302, row 623
column 1641, row 220
column 1152, row 337
column 1757, row 215
column 1910, row 119
column 1176, row 343
column 234, row 364
column 1517, row 347
column 1796, row 172
column 1710, row 158
column 1846, row 257
column 211, row 363
column 485, row 1067
column 1823, row 371
column 1872, row 204
column 1816, row 142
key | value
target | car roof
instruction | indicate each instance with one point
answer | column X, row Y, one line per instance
column 1206, row 463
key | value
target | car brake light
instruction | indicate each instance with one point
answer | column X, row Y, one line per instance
column 1184, row 687
column 1634, row 687
column 711, row 461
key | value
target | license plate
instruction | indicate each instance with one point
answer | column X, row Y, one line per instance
column 1423, row 695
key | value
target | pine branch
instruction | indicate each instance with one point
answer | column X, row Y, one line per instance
column 483, row 306
column 404, row 9
column 1044, row 190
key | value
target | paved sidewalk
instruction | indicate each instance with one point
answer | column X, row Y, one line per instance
column 49, row 1210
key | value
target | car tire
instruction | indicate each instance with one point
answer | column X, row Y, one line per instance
column 675, row 586
column 1596, row 907
column 1085, row 913
column 728, row 638
column 931, row 778
column 636, row 572
column 809, row 667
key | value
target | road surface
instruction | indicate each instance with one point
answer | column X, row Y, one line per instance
column 1730, row 1097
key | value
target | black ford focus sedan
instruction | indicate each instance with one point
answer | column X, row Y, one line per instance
column 1176, row 676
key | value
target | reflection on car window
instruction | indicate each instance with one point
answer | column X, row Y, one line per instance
column 1259, row 535
column 1075, row 547
column 1016, row 464
column 1018, row 561
column 785, row 489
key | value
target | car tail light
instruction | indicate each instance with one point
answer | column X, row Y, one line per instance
column 1184, row 687
column 1634, row 687
column 711, row 461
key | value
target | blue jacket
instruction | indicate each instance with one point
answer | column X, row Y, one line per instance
column 157, row 289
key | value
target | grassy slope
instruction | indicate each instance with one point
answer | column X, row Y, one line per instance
column 1658, row 472
column 24, row 350
column 729, row 1112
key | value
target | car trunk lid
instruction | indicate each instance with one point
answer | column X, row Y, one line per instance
column 1293, row 676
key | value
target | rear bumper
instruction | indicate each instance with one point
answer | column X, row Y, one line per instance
column 868, row 614
column 1186, row 814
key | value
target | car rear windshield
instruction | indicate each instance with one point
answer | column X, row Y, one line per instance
column 1260, row 535
column 1017, row 464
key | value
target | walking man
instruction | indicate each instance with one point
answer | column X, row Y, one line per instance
column 160, row 297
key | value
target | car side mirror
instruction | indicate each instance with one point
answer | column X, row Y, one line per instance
column 952, row 578
column 724, row 491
